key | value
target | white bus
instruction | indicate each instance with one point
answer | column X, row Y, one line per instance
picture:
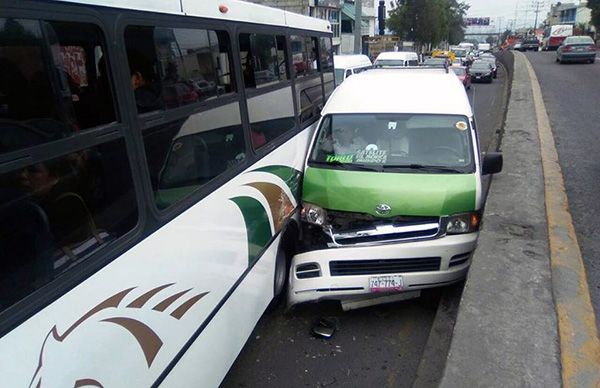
column 150, row 164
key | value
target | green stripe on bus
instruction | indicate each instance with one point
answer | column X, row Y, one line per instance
column 289, row 175
column 258, row 228
column 406, row 194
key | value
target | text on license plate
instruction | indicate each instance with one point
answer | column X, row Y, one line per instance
column 386, row 283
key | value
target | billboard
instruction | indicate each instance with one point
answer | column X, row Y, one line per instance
column 477, row 21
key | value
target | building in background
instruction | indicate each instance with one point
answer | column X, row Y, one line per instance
column 349, row 24
column 579, row 15
column 340, row 13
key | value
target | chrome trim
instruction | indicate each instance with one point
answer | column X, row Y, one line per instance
column 337, row 238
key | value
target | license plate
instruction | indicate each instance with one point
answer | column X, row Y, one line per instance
column 386, row 283
column 477, row 77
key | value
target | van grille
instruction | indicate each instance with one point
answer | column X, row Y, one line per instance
column 383, row 266
column 358, row 228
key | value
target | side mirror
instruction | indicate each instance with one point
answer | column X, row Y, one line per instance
column 492, row 163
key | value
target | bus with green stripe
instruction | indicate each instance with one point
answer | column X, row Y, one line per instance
column 151, row 157
column 392, row 195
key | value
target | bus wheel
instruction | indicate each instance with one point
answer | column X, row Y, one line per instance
column 281, row 273
column 285, row 252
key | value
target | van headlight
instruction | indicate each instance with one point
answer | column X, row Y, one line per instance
column 313, row 214
column 463, row 223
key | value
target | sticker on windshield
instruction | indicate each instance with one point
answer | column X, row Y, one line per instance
column 371, row 156
column 347, row 158
column 461, row 125
column 392, row 125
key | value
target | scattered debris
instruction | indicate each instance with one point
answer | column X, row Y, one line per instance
column 324, row 328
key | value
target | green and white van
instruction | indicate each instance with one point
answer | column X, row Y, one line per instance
column 392, row 196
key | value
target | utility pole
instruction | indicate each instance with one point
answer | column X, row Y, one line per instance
column 357, row 26
column 537, row 11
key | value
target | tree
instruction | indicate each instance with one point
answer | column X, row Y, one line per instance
column 428, row 22
column 456, row 22
column 594, row 5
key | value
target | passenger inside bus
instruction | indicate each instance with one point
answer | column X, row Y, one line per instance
column 145, row 89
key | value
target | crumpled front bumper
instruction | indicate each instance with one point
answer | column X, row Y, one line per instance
column 456, row 248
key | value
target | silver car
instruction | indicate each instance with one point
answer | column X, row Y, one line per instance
column 576, row 49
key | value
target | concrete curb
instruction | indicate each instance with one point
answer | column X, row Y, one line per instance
column 506, row 330
column 579, row 344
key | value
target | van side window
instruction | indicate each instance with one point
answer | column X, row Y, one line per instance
column 50, row 93
column 174, row 68
column 57, row 211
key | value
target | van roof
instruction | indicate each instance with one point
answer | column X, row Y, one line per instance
column 345, row 61
column 411, row 90
column 397, row 55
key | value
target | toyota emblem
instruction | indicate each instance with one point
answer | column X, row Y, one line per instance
column 383, row 209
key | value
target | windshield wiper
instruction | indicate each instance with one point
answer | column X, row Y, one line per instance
column 348, row 166
column 422, row 167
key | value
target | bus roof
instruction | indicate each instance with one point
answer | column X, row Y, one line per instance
column 411, row 90
column 234, row 10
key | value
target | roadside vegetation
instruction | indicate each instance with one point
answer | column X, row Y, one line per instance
column 428, row 22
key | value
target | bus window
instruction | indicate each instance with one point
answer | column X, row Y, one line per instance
column 263, row 59
column 326, row 61
column 31, row 112
column 192, row 65
column 171, row 67
column 57, row 211
column 304, row 55
column 264, row 62
column 271, row 115
column 308, row 89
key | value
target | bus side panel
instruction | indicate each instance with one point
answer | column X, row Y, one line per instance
column 126, row 323
column 207, row 361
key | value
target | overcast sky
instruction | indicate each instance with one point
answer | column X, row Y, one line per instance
column 505, row 9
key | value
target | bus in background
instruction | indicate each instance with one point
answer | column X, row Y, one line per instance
column 554, row 35
column 150, row 166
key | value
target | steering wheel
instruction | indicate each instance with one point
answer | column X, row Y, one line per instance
column 447, row 150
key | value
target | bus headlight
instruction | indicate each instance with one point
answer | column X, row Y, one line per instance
column 313, row 214
column 463, row 223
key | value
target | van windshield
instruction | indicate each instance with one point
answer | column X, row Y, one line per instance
column 418, row 143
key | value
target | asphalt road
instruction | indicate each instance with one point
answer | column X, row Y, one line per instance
column 572, row 96
column 379, row 346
